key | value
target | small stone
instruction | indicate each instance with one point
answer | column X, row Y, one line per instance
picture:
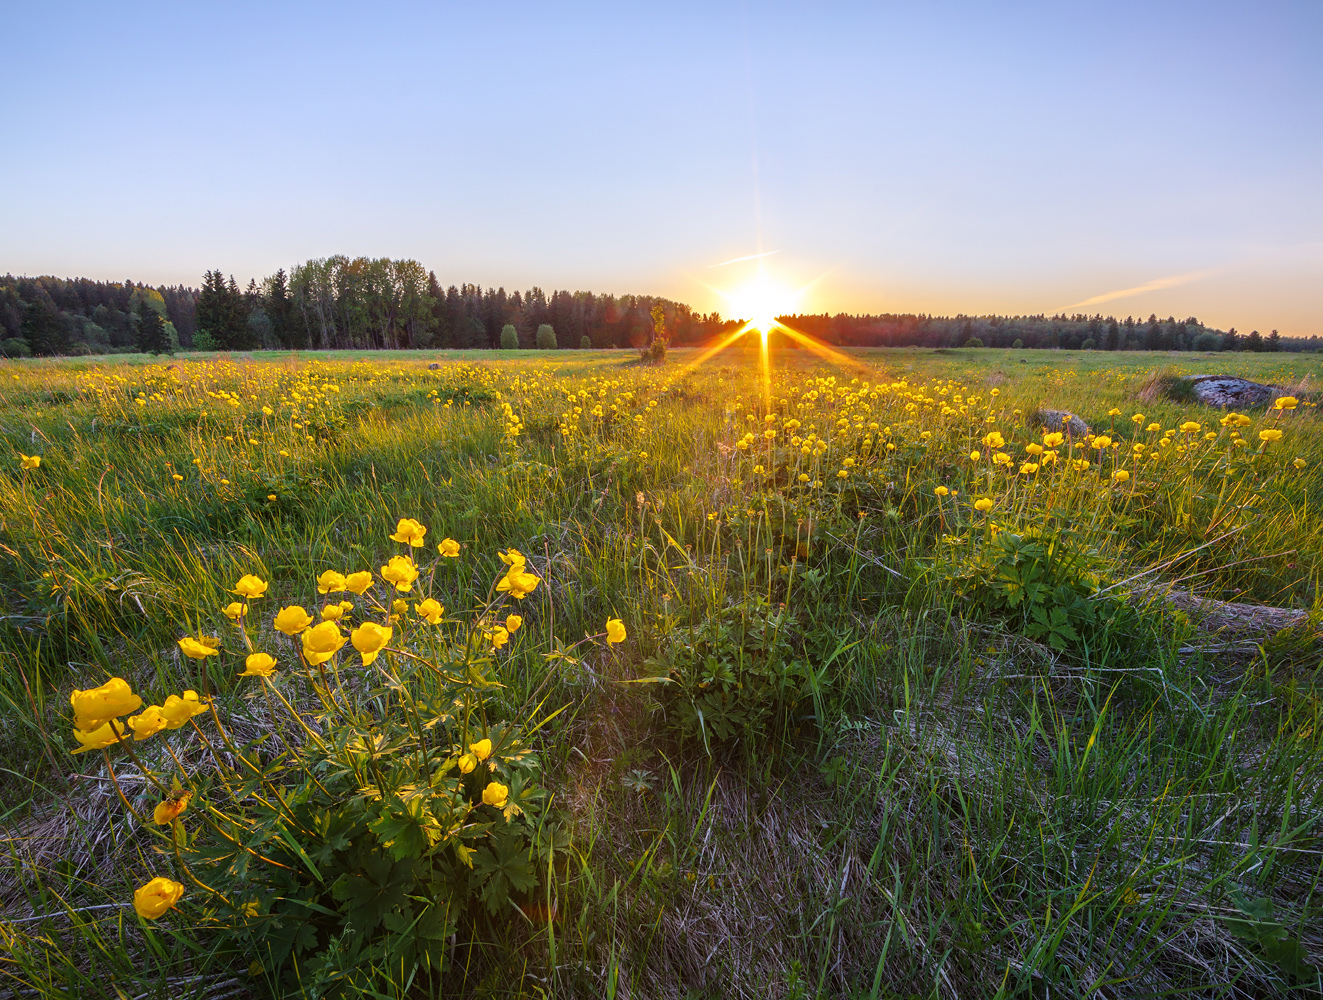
column 433, row 366
column 1061, row 420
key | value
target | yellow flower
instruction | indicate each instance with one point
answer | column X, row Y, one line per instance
column 330, row 582
column 512, row 558
column 1153, row 428
column 1028, row 468
column 1120, row 475
column 615, row 630
column 1054, row 439
column 1191, row 427
column 1001, row 458
column 974, row 456
column 369, row 639
column 1102, row 441
column 259, row 665
column 993, row 439
column 1286, row 403
column 156, row 897
column 178, row 710
column 941, row 491
column 482, row 749
column 250, row 587
column 803, row 478
column 97, row 706
column 358, row 583
column 171, row 809
column 1034, row 449
column 1113, row 412
column 234, row 610
column 292, row 620
column 1080, row 464
column 200, row 648
column 448, row 547
column 499, row 637
column 1138, row 418
column 983, row 504
column 513, row 623
column 29, row 462
column 495, row 795
column 1271, row 434
column 410, row 531
column 176, row 477
column 332, row 612
column 431, row 610
column 401, row 572
column 1299, row 463
column 149, row 723
column 467, row 763
column 100, row 737
column 517, row 582
column 321, row 642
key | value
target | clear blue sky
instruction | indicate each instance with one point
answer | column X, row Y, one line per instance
column 938, row 157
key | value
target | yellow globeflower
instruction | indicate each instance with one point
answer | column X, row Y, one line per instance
column 1299, row 463
column 234, row 610
column 983, row 504
column 292, row 620
column 330, row 582
column 1271, row 434
column 200, row 648
column 448, row 547
column 513, row 623
column 321, row 642
column 1102, row 441
column 1191, row 427
column 99, row 738
column 250, row 587
column 1053, row 439
column 993, row 439
column 1120, row 475
column 941, row 491
column 467, row 763
column 29, row 462
column 1286, row 403
column 401, row 572
column 1001, row 458
column 156, row 897
column 482, row 749
column 1154, row 428
column 1028, row 468
column 431, row 610
column 1138, row 418
column 495, row 795
column 358, row 583
column 409, row 531
column 615, row 630
column 974, row 456
column 171, row 809
column 512, row 557
column 97, row 706
column 178, row 710
column 259, row 665
column 149, row 723
column 1034, row 449
column 1113, row 412
column 517, row 582
column 369, row 639
column 499, row 637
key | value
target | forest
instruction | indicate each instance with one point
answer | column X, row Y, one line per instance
column 362, row 303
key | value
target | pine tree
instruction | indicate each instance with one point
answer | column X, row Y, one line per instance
column 1274, row 342
column 152, row 337
column 1254, row 342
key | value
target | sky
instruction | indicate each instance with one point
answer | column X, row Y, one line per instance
column 1118, row 158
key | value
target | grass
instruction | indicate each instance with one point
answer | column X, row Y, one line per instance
column 904, row 747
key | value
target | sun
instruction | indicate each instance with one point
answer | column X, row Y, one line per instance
column 760, row 300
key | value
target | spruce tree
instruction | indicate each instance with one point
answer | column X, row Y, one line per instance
column 152, row 337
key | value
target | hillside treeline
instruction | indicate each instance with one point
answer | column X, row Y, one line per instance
column 1103, row 333
column 363, row 303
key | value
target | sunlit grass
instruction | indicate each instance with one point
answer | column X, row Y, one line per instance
column 934, row 800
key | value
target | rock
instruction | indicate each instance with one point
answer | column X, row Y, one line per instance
column 1227, row 391
column 1061, row 420
column 433, row 366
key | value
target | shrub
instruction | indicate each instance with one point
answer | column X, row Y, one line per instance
column 203, row 341
column 585, row 343
column 15, row 347
column 1208, row 342
column 1089, row 344
column 509, row 338
column 79, row 349
column 546, row 338
column 972, row 342
column 1018, row 343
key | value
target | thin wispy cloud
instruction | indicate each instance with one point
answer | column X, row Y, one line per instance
column 1149, row 286
column 752, row 256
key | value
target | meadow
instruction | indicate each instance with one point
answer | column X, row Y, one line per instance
column 796, row 674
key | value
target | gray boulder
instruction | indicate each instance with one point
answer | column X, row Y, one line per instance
column 1226, row 391
column 433, row 366
column 1060, row 420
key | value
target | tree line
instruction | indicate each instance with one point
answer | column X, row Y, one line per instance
column 379, row 303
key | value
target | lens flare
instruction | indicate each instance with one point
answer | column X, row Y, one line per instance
column 761, row 300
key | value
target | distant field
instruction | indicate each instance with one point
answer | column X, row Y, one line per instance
column 914, row 697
